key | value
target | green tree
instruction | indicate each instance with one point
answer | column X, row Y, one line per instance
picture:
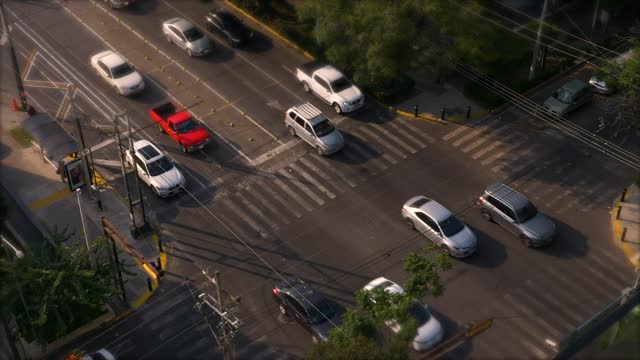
column 54, row 291
column 358, row 336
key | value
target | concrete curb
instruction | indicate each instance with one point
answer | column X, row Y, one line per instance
column 431, row 117
column 269, row 29
column 631, row 251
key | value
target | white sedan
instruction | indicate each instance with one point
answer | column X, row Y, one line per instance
column 117, row 71
column 430, row 330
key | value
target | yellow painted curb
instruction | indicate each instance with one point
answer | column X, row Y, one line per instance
column 58, row 195
column 268, row 28
column 431, row 117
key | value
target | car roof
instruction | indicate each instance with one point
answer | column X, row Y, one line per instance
column 507, row 195
column 311, row 113
column 147, row 150
column 435, row 210
column 329, row 73
column 180, row 24
column 386, row 284
column 575, row 85
column 112, row 59
column 301, row 291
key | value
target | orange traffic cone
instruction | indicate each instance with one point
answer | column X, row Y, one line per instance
column 14, row 104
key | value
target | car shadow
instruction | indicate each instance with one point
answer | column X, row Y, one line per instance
column 356, row 151
column 219, row 53
column 151, row 94
column 568, row 242
column 5, row 151
column 260, row 43
column 141, row 7
column 451, row 328
column 490, row 253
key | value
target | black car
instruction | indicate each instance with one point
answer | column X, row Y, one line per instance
column 309, row 308
column 229, row 26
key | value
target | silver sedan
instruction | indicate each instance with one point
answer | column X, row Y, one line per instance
column 440, row 226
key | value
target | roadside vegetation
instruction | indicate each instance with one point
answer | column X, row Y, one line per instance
column 22, row 136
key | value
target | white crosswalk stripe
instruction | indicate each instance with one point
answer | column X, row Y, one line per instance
column 515, row 159
column 455, row 133
column 267, row 205
column 312, row 180
column 251, row 207
column 499, row 154
column 333, row 169
column 484, row 139
column 301, row 186
column 406, row 135
column 322, row 174
column 524, row 178
column 418, row 132
column 292, row 194
column 370, row 155
column 273, row 194
column 547, row 329
column 383, row 143
column 229, row 203
column 474, row 133
column 395, row 139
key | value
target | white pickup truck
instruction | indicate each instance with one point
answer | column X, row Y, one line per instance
column 331, row 86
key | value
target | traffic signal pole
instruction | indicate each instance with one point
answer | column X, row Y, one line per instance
column 24, row 105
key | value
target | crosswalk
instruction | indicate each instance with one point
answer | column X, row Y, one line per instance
column 263, row 204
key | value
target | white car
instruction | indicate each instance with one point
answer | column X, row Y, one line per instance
column 101, row 354
column 155, row 169
column 187, row 36
column 430, row 330
column 117, row 71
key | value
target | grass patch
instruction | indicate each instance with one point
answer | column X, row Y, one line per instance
column 22, row 136
column 638, row 182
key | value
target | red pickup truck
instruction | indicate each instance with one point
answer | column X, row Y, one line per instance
column 181, row 126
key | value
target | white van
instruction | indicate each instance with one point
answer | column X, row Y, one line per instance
column 310, row 124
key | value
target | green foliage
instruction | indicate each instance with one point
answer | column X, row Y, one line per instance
column 629, row 77
column 21, row 136
column 60, row 290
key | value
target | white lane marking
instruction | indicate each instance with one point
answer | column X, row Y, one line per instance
column 229, row 203
column 455, row 132
column 501, row 153
column 289, row 70
column 419, row 132
column 301, row 186
column 274, row 194
column 475, row 132
column 271, row 153
column 544, row 325
column 483, row 139
column 312, row 180
column 407, row 135
column 384, row 144
column 368, row 155
column 258, row 195
column 292, row 194
column 395, row 138
column 334, row 170
column 249, row 206
column 322, row 174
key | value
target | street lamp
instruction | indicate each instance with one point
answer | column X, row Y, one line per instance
column 19, row 254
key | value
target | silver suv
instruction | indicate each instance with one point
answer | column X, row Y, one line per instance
column 509, row 208
column 312, row 126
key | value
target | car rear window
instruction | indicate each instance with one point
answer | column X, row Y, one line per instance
column 420, row 202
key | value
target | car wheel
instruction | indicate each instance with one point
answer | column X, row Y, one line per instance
column 337, row 108
column 189, row 53
column 306, row 87
column 184, row 149
column 524, row 239
column 319, row 151
column 445, row 249
column 410, row 223
column 292, row 131
column 283, row 311
column 168, row 38
column 486, row 214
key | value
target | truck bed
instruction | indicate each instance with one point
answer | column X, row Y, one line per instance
column 165, row 110
column 310, row 67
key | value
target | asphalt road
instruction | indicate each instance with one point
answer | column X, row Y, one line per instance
column 334, row 221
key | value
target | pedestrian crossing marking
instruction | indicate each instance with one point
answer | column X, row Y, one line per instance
column 301, row 186
column 256, row 211
column 394, row 138
column 322, row 174
column 483, row 139
column 474, row 133
column 312, row 180
column 407, row 136
column 292, row 194
column 229, row 203
column 384, row 143
column 493, row 157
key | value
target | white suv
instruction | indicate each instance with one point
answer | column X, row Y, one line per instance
column 307, row 122
column 155, row 169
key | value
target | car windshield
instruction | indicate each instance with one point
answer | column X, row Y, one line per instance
column 323, row 128
column 186, row 126
column 121, row 70
column 340, row 84
column 192, row 34
column 418, row 312
column 451, row 226
column 159, row 166
column 563, row 95
column 321, row 312
column 526, row 213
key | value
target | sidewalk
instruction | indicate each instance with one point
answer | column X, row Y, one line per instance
column 47, row 201
column 625, row 218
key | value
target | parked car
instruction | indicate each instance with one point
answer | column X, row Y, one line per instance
column 599, row 82
column 102, row 354
column 440, row 226
column 155, row 169
column 117, row 71
column 430, row 330
column 229, row 26
column 187, row 36
column 331, row 86
column 312, row 126
column 501, row 204
column 569, row 97
column 181, row 126
column 117, row 4
column 297, row 300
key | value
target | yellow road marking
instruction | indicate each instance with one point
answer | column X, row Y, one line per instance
column 58, row 195
column 27, row 66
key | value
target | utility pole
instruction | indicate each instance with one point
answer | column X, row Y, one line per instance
column 535, row 59
column 92, row 260
column 595, row 16
column 229, row 324
column 24, row 105
column 135, row 230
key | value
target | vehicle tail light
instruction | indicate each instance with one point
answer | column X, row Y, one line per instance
column 275, row 291
column 480, row 200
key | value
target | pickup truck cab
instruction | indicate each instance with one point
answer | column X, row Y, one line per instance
column 181, row 126
column 331, row 86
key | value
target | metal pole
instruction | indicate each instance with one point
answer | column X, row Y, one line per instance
column 145, row 224
column 110, row 235
column 595, row 16
column 225, row 336
column 14, row 61
column 124, row 172
column 84, row 232
column 536, row 48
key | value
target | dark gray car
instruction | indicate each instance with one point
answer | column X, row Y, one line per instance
column 501, row 204
column 569, row 97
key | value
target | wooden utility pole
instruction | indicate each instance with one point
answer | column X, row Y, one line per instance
column 537, row 55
